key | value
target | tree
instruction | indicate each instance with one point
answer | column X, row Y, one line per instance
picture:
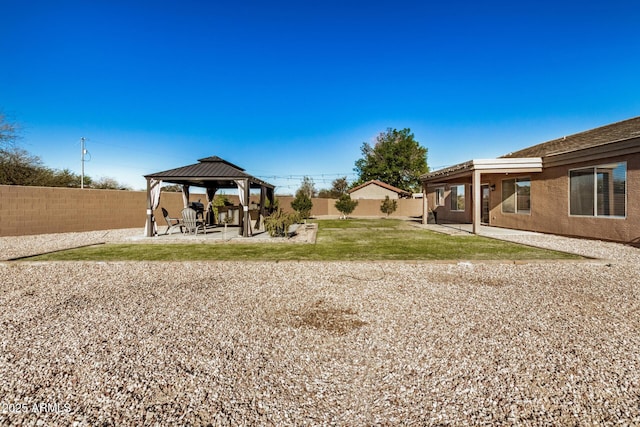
column 396, row 158
column 66, row 178
column 8, row 132
column 307, row 187
column 18, row 167
column 173, row 188
column 302, row 204
column 345, row 205
column 388, row 206
column 107, row 183
column 339, row 187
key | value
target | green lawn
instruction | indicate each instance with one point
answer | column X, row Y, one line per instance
column 354, row 239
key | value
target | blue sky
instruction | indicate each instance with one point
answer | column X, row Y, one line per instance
column 292, row 88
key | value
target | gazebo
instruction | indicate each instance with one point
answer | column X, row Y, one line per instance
column 212, row 174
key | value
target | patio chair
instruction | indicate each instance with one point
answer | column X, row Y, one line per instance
column 191, row 223
column 171, row 222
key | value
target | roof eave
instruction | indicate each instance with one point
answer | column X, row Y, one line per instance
column 500, row 165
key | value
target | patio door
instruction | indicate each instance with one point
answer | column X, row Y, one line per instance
column 486, row 191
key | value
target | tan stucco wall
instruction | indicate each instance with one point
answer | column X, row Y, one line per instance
column 41, row 210
column 38, row 210
column 444, row 213
column 550, row 204
column 373, row 191
column 365, row 208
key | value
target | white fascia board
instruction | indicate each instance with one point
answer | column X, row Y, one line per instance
column 508, row 163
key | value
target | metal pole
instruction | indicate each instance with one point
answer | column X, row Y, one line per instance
column 82, row 158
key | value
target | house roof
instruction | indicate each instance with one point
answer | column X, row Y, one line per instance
column 615, row 132
column 555, row 151
column 209, row 171
column 381, row 184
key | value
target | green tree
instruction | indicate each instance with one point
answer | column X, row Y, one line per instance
column 173, row 188
column 302, row 204
column 18, row 167
column 107, row 183
column 66, row 178
column 396, row 158
column 388, row 206
column 345, row 205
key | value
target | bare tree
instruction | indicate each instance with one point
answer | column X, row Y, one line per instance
column 8, row 132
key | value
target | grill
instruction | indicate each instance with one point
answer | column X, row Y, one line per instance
column 198, row 207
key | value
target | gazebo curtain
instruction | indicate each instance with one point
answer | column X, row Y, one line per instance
column 210, row 193
column 242, row 195
column 185, row 195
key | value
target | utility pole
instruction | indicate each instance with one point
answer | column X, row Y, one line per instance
column 82, row 158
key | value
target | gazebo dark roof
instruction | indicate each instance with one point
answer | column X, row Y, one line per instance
column 208, row 172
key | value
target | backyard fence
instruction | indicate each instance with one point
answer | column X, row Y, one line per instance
column 42, row 210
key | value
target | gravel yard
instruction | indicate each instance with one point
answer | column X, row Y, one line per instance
column 308, row 343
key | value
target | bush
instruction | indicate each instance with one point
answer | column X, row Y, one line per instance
column 388, row 206
column 302, row 204
column 278, row 222
column 345, row 205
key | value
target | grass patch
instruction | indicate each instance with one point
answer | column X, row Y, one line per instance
column 355, row 239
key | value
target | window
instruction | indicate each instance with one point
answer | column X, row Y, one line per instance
column 457, row 197
column 516, row 195
column 599, row 191
column 440, row 196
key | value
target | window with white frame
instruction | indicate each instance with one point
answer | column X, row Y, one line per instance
column 516, row 195
column 439, row 193
column 599, row 190
column 457, row 197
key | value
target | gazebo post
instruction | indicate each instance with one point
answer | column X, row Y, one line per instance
column 263, row 211
column 149, row 226
column 247, row 218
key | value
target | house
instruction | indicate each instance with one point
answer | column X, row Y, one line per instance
column 376, row 189
column 584, row 185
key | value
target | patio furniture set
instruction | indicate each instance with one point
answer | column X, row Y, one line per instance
column 189, row 223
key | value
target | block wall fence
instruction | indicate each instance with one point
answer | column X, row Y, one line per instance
column 43, row 210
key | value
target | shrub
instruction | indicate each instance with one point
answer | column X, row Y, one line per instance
column 278, row 222
column 345, row 205
column 388, row 206
column 302, row 204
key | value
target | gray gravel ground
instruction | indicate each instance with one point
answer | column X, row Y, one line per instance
column 310, row 343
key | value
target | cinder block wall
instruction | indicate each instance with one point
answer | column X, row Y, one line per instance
column 40, row 210
column 43, row 210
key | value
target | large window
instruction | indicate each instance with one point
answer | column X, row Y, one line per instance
column 516, row 195
column 457, row 197
column 599, row 190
